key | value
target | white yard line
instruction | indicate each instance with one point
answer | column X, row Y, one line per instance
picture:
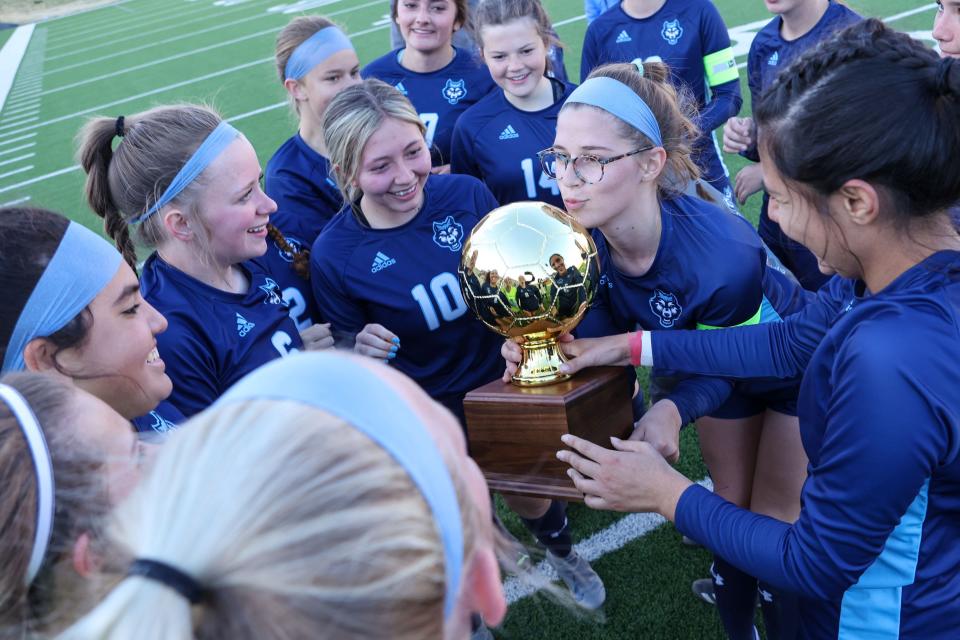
column 47, row 176
column 17, row 159
column 184, row 36
column 23, row 137
column 16, row 202
column 20, row 148
column 19, row 123
column 22, row 107
column 10, row 58
column 622, row 532
column 16, row 171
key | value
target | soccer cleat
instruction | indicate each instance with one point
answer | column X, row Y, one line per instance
column 584, row 583
column 703, row 589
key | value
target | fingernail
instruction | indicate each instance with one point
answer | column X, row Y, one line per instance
column 564, row 368
column 393, row 354
column 615, row 439
column 570, row 472
column 386, row 361
column 394, row 348
column 559, row 455
column 565, row 438
column 396, row 340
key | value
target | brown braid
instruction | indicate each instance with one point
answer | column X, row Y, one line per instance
column 301, row 257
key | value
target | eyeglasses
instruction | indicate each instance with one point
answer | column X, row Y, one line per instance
column 588, row 168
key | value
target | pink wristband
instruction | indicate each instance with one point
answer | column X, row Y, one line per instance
column 636, row 347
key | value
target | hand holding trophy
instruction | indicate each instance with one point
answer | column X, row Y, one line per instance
column 529, row 272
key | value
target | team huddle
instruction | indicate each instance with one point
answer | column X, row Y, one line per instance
column 292, row 347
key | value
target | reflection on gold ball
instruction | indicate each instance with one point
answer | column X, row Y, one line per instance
column 529, row 271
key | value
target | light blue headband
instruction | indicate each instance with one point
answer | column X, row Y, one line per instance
column 80, row 268
column 314, row 50
column 214, row 144
column 358, row 396
column 619, row 100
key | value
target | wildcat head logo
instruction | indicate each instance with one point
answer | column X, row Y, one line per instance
column 272, row 289
column 454, row 91
column 448, row 234
column 666, row 306
column 160, row 424
column 672, row 31
column 294, row 244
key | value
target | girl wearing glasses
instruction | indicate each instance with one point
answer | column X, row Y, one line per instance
column 497, row 139
column 670, row 261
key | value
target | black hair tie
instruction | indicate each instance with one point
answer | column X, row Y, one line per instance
column 168, row 576
column 118, row 127
column 943, row 76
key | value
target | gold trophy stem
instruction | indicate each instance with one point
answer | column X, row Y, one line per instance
column 540, row 363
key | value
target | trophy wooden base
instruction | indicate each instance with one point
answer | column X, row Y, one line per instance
column 514, row 432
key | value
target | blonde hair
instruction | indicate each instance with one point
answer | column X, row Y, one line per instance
column 295, row 523
column 675, row 112
column 352, row 117
column 81, row 499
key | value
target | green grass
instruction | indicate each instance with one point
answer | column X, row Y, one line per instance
column 101, row 61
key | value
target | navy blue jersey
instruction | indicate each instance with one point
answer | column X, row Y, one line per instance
column 874, row 551
column 214, row 337
column 710, row 271
column 769, row 54
column 690, row 36
column 155, row 425
column 299, row 181
column 439, row 96
column 406, row 280
column 294, row 289
column 498, row 143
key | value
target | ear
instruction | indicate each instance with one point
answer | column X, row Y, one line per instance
column 859, row 201
column 84, row 562
column 482, row 587
column 294, row 89
column 38, row 355
column 652, row 163
column 177, row 224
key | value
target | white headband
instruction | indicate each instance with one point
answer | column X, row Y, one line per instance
column 40, row 455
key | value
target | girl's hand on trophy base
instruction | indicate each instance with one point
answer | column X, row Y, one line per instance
column 634, row 477
column 377, row 341
column 660, row 426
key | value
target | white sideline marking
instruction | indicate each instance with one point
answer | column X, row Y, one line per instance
column 911, row 12
column 269, row 107
column 20, row 118
column 614, row 537
column 16, row 171
column 10, row 58
column 190, row 35
column 17, row 159
column 20, row 148
column 15, row 202
column 21, row 107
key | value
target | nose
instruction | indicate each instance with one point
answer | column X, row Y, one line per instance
column 565, row 173
column 157, row 322
column 939, row 32
column 267, row 206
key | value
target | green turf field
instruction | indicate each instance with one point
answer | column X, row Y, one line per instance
column 136, row 54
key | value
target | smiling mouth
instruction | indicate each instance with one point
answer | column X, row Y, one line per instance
column 257, row 229
column 404, row 193
column 519, row 78
column 153, row 356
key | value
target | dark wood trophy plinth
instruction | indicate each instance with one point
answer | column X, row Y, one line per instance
column 514, row 431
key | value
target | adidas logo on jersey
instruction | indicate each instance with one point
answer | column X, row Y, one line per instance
column 774, row 60
column 401, row 88
column 381, row 262
column 624, row 37
column 244, row 327
column 509, row 133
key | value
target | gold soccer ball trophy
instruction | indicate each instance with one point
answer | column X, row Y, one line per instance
column 529, row 271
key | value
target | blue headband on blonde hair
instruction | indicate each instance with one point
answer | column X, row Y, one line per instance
column 619, row 100
column 314, row 50
column 350, row 391
column 80, row 268
column 208, row 151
